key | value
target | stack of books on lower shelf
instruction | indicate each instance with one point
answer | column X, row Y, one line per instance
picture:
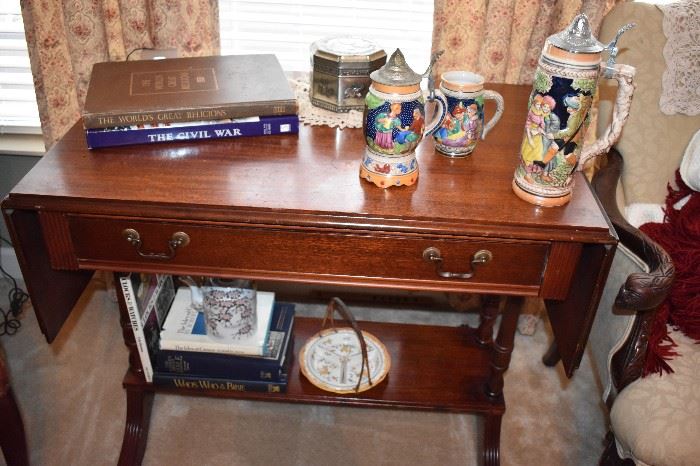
column 189, row 358
column 185, row 99
column 175, row 350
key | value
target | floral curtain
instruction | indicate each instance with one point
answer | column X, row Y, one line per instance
column 65, row 38
column 502, row 39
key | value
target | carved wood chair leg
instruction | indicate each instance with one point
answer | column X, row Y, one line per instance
column 502, row 348
column 138, row 415
column 487, row 318
column 551, row 357
column 610, row 456
column 12, row 439
column 492, row 439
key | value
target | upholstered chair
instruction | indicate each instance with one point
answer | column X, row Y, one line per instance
column 653, row 419
column 12, row 439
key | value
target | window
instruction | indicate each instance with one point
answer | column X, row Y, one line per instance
column 288, row 29
column 18, row 110
column 284, row 28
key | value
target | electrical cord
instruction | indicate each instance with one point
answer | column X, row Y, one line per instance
column 136, row 50
column 9, row 322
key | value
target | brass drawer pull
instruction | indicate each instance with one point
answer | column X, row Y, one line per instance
column 179, row 239
column 432, row 255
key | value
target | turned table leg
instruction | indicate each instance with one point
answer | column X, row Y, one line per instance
column 492, row 439
column 139, row 398
column 551, row 357
column 489, row 311
column 138, row 414
column 502, row 348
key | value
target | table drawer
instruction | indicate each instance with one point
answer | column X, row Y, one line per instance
column 298, row 253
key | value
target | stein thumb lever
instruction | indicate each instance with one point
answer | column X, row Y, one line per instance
column 433, row 58
column 613, row 50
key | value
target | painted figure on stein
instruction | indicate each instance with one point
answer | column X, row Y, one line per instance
column 465, row 122
column 461, row 126
column 554, row 132
column 394, row 128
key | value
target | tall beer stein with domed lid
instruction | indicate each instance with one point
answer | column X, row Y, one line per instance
column 564, row 87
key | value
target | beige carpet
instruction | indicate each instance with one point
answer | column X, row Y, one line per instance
column 74, row 409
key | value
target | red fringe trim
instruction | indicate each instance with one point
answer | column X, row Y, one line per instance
column 679, row 235
column 661, row 347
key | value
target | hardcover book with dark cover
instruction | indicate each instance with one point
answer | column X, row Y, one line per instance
column 191, row 131
column 186, row 89
column 193, row 382
column 271, row 366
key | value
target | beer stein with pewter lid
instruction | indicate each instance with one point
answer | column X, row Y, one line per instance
column 564, row 86
column 394, row 122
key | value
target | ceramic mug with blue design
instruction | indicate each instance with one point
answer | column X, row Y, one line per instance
column 464, row 124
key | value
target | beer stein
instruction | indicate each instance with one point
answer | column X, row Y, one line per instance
column 464, row 124
column 564, row 87
column 394, row 122
column 229, row 307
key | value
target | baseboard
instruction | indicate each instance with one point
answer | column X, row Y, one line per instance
column 9, row 262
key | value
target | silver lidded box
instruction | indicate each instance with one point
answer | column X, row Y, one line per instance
column 340, row 68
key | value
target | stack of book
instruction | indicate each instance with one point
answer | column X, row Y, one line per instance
column 193, row 98
column 178, row 353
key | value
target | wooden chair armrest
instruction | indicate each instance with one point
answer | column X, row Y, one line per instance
column 641, row 292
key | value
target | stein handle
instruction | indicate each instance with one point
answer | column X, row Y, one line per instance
column 495, row 96
column 439, row 116
column 195, row 290
column 624, row 74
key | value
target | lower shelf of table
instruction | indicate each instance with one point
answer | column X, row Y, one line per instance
column 432, row 368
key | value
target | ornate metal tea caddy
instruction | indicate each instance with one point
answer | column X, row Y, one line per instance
column 340, row 69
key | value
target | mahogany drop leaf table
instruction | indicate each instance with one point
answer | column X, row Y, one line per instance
column 293, row 208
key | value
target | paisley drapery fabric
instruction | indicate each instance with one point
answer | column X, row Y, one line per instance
column 66, row 38
column 502, row 39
